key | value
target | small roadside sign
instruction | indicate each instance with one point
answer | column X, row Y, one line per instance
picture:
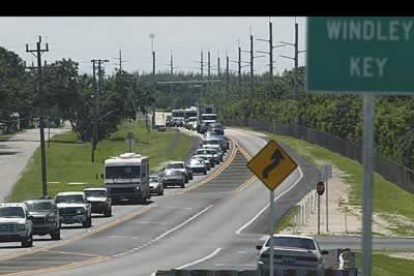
column 326, row 172
column 320, row 188
column 130, row 141
column 272, row 165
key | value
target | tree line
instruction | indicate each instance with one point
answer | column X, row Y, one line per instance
column 68, row 95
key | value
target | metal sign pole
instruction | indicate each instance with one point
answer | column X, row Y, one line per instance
column 368, row 151
column 272, row 217
column 327, row 229
column 319, row 214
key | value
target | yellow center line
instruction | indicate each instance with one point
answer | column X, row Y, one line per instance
column 218, row 172
column 62, row 267
column 81, row 236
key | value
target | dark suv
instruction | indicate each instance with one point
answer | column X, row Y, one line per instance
column 45, row 217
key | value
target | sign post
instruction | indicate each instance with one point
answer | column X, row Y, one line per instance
column 320, row 188
column 326, row 175
column 272, row 165
column 361, row 55
column 130, row 141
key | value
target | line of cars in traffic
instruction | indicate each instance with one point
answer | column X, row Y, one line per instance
column 211, row 152
column 19, row 222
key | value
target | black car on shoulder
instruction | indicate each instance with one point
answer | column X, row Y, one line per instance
column 46, row 219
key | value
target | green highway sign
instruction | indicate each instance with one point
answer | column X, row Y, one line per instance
column 360, row 54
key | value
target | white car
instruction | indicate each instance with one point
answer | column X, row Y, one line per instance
column 197, row 164
column 181, row 166
column 156, row 186
column 290, row 252
column 16, row 224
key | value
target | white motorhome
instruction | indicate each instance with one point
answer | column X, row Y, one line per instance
column 127, row 177
column 178, row 117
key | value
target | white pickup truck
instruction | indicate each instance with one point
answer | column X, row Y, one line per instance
column 16, row 224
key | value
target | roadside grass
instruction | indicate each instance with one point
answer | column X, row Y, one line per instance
column 388, row 198
column 286, row 221
column 69, row 160
column 5, row 137
column 383, row 265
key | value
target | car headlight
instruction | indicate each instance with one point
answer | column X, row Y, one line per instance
column 50, row 219
column 21, row 227
column 80, row 211
column 138, row 188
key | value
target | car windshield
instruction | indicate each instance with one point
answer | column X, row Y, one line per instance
column 12, row 212
column 69, row 199
column 153, row 179
column 292, row 242
column 122, row 172
column 209, row 117
column 203, row 151
column 89, row 193
column 211, row 142
column 40, row 206
column 173, row 172
column 196, row 161
column 175, row 166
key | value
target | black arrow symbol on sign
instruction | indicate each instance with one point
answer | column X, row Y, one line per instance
column 276, row 157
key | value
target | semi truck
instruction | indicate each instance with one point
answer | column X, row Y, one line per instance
column 127, row 177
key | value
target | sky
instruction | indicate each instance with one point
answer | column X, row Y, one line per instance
column 85, row 38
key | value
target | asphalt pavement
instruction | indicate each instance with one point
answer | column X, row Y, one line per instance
column 213, row 225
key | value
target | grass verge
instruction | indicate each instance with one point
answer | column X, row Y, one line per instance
column 388, row 198
column 286, row 221
column 69, row 160
column 5, row 137
column 383, row 265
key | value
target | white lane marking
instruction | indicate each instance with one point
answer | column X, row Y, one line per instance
column 246, row 252
column 201, row 260
column 166, row 233
column 123, row 237
column 267, row 206
column 151, row 222
column 182, row 224
column 173, row 207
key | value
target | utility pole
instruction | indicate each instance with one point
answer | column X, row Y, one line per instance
column 120, row 61
column 208, row 76
column 97, row 90
column 218, row 67
column 153, row 74
column 295, row 59
column 202, row 62
column 251, row 63
column 38, row 55
column 172, row 64
column 271, row 47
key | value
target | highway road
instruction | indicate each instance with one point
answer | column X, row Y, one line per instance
column 212, row 224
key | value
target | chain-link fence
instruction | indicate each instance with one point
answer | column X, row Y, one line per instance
column 391, row 171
